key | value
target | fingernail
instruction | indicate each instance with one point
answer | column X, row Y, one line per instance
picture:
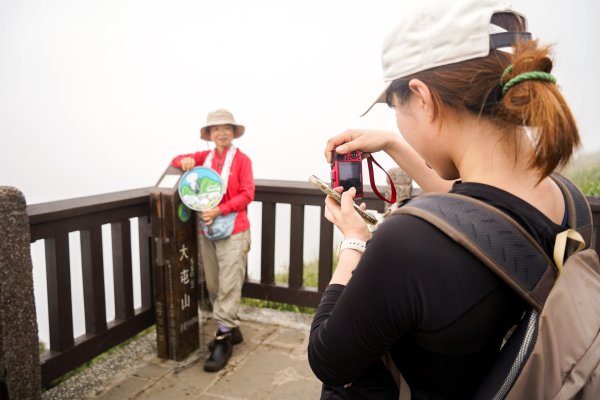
column 340, row 148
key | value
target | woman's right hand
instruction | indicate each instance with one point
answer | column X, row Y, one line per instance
column 365, row 140
column 187, row 163
column 370, row 141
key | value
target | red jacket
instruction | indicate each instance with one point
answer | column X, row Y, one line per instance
column 240, row 187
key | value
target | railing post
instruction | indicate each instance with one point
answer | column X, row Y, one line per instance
column 267, row 262
column 325, row 254
column 122, row 270
column 92, row 266
column 58, row 283
column 145, row 243
column 595, row 205
column 20, row 376
column 296, row 272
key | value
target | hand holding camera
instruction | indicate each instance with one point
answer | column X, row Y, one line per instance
column 366, row 140
column 345, row 216
column 346, row 172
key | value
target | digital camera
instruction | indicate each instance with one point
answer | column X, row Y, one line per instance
column 346, row 171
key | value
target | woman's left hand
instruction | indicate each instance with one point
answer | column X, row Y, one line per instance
column 209, row 215
column 343, row 215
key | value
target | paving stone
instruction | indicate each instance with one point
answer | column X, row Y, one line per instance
column 125, row 389
column 260, row 373
column 154, row 370
column 196, row 378
column 270, row 364
column 206, row 396
column 169, row 388
column 288, row 338
column 289, row 384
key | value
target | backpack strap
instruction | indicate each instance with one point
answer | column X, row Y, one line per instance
column 403, row 388
column 494, row 238
column 579, row 214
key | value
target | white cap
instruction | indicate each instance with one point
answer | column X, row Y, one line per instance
column 432, row 33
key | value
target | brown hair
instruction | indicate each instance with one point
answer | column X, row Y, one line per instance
column 474, row 86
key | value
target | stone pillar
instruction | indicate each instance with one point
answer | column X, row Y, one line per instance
column 20, row 376
column 402, row 183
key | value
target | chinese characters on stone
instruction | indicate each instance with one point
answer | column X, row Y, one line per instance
column 186, row 276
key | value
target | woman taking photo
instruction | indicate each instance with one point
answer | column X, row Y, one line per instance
column 480, row 115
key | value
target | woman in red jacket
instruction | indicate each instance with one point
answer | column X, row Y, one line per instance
column 224, row 259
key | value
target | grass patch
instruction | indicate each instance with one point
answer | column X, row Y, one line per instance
column 584, row 171
column 275, row 305
column 310, row 275
column 310, row 278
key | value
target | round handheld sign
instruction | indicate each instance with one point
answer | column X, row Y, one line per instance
column 201, row 188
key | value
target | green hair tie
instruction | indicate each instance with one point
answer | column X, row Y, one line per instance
column 507, row 71
column 525, row 76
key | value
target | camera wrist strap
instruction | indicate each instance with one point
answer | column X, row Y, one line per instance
column 370, row 161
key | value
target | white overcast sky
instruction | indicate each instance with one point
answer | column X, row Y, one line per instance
column 98, row 96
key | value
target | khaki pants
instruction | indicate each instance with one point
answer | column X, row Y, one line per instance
column 225, row 263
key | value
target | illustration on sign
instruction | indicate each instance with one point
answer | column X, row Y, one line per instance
column 201, row 188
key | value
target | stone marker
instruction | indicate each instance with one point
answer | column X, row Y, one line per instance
column 20, row 376
column 402, row 183
column 175, row 270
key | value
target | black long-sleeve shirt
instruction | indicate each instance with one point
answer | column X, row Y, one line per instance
column 435, row 307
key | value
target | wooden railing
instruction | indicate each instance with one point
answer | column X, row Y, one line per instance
column 52, row 223
column 595, row 206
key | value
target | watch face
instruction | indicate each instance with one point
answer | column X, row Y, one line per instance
column 201, row 188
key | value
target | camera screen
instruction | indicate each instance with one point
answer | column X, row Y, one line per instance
column 349, row 174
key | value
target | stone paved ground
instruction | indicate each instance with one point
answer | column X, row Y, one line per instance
column 270, row 364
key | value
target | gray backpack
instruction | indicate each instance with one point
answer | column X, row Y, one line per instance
column 554, row 352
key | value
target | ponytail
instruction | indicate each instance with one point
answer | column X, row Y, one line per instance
column 535, row 101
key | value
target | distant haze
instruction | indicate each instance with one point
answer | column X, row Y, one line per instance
column 98, row 96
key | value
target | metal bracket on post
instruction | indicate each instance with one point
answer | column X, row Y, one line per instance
column 159, row 252
column 160, row 261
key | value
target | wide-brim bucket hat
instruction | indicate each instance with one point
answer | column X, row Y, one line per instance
column 434, row 33
column 221, row 117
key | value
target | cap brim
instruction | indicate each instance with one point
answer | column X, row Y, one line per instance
column 380, row 99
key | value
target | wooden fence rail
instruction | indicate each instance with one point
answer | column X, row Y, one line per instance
column 52, row 222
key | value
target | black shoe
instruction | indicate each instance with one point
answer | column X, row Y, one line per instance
column 236, row 338
column 220, row 353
